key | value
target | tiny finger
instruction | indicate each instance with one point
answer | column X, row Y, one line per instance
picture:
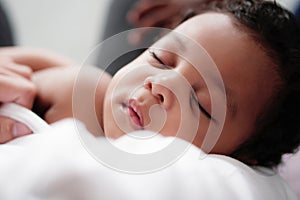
column 10, row 129
column 18, row 90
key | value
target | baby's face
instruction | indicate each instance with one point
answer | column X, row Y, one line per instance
column 173, row 87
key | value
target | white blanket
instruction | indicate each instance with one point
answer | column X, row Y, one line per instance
column 56, row 165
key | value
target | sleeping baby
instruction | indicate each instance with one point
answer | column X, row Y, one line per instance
column 226, row 80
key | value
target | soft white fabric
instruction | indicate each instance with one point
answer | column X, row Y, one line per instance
column 21, row 114
column 290, row 171
column 56, row 165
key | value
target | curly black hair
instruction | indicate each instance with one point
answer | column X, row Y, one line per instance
column 277, row 32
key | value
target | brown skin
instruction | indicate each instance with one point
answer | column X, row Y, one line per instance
column 242, row 64
column 56, row 89
column 30, row 74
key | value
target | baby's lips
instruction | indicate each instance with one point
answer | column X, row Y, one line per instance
column 20, row 129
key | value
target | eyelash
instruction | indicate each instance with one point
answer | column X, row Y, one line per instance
column 162, row 64
column 153, row 54
column 201, row 107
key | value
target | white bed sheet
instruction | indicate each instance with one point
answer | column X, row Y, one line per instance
column 55, row 165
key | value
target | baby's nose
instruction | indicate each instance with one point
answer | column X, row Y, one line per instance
column 164, row 88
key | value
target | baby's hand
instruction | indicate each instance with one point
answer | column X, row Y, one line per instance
column 15, row 86
column 36, row 59
column 17, row 65
column 54, row 92
column 56, row 98
column 10, row 129
column 15, row 83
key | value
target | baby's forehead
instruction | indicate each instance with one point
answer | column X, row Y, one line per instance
column 183, row 47
column 211, row 18
column 209, row 27
column 199, row 33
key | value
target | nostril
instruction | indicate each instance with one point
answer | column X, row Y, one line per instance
column 148, row 85
column 161, row 98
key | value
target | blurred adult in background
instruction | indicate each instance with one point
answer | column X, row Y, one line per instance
column 124, row 15
column 14, row 80
column 115, row 23
column 6, row 34
column 297, row 10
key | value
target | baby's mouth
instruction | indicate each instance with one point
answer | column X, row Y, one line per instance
column 135, row 113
